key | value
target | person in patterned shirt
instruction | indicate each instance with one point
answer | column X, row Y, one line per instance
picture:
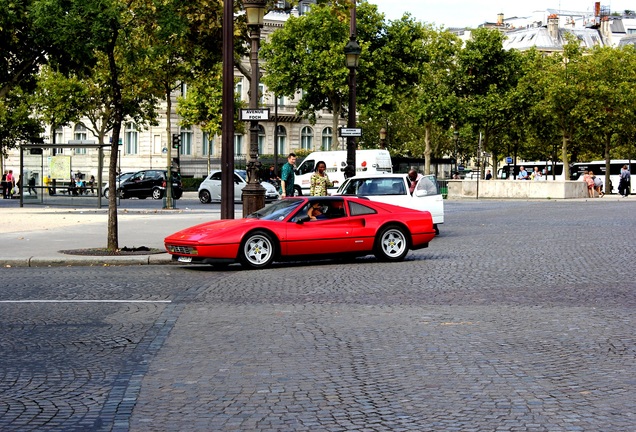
column 320, row 181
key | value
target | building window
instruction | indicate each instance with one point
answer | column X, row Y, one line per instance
column 238, row 90
column 306, row 138
column 261, row 94
column 59, row 138
column 238, row 145
column 261, row 139
column 282, row 139
column 131, row 139
column 208, row 144
column 326, row 139
column 79, row 134
column 186, row 141
column 281, row 101
column 184, row 90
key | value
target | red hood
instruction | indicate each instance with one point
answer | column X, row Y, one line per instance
column 207, row 230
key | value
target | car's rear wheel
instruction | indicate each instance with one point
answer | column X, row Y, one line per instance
column 257, row 250
column 157, row 194
column 204, row 196
column 106, row 193
column 298, row 191
column 392, row 244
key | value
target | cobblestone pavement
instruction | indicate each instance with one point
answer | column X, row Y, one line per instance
column 519, row 317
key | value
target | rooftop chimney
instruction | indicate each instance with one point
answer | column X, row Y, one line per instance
column 500, row 19
column 553, row 26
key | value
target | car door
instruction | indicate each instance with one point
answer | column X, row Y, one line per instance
column 320, row 237
column 133, row 185
column 151, row 180
column 214, row 186
column 429, row 198
column 239, row 184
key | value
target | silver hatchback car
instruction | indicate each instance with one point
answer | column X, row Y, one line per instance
column 210, row 188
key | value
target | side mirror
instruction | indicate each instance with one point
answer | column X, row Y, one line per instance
column 301, row 220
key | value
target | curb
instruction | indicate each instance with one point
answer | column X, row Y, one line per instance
column 102, row 261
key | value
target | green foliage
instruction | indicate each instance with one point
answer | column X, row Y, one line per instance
column 17, row 124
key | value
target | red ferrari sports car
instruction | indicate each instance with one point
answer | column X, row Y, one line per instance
column 305, row 228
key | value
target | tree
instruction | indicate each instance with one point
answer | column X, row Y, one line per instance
column 437, row 102
column 608, row 98
column 307, row 55
column 486, row 73
column 17, row 124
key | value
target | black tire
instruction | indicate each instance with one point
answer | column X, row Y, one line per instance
column 258, row 250
column 436, row 229
column 204, row 196
column 106, row 193
column 391, row 244
column 298, row 191
column 157, row 194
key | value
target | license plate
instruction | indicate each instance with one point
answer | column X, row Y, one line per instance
column 184, row 259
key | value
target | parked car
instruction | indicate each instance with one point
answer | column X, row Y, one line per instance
column 394, row 189
column 282, row 230
column 119, row 179
column 149, row 183
column 210, row 188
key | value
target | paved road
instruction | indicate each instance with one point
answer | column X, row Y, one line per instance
column 519, row 316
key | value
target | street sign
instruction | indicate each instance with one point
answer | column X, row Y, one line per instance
column 255, row 114
column 508, row 160
column 350, row 132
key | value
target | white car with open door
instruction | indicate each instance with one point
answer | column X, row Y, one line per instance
column 394, row 189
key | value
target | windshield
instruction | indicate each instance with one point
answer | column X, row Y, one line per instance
column 242, row 173
column 278, row 210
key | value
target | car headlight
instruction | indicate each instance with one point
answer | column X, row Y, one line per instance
column 189, row 250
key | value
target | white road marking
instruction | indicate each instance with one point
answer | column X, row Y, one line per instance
column 85, row 301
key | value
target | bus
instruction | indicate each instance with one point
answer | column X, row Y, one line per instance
column 549, row 170
column 600, row 168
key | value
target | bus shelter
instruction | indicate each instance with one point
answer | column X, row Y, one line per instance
column 48, row 179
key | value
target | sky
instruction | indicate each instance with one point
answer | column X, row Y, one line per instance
column 470, row 13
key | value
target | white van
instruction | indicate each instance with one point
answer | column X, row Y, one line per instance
column 367, row 162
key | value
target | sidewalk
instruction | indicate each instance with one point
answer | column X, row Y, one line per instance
column 34, row 236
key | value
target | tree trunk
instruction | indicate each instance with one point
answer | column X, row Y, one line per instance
column 169, row 201
column 118, row 107
column 427, row 149
column 336, row 110
column 564, row 156
column 608, row 142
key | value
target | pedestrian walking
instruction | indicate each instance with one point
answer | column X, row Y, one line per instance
column 287, row 176
column 319, row 181
column 624, row 184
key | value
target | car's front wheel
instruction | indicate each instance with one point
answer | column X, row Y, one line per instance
column 157, row 194
column 257, row 250
column 204, row 196
column 106, row 193
column 122, row 194
column 392, row 244
column 298, row 191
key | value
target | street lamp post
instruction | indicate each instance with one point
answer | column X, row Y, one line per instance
column 254, row 193
column 456, row 136
column 352, row 54
column 227, row 126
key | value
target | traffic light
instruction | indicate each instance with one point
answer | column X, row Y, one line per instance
column 176, row 141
